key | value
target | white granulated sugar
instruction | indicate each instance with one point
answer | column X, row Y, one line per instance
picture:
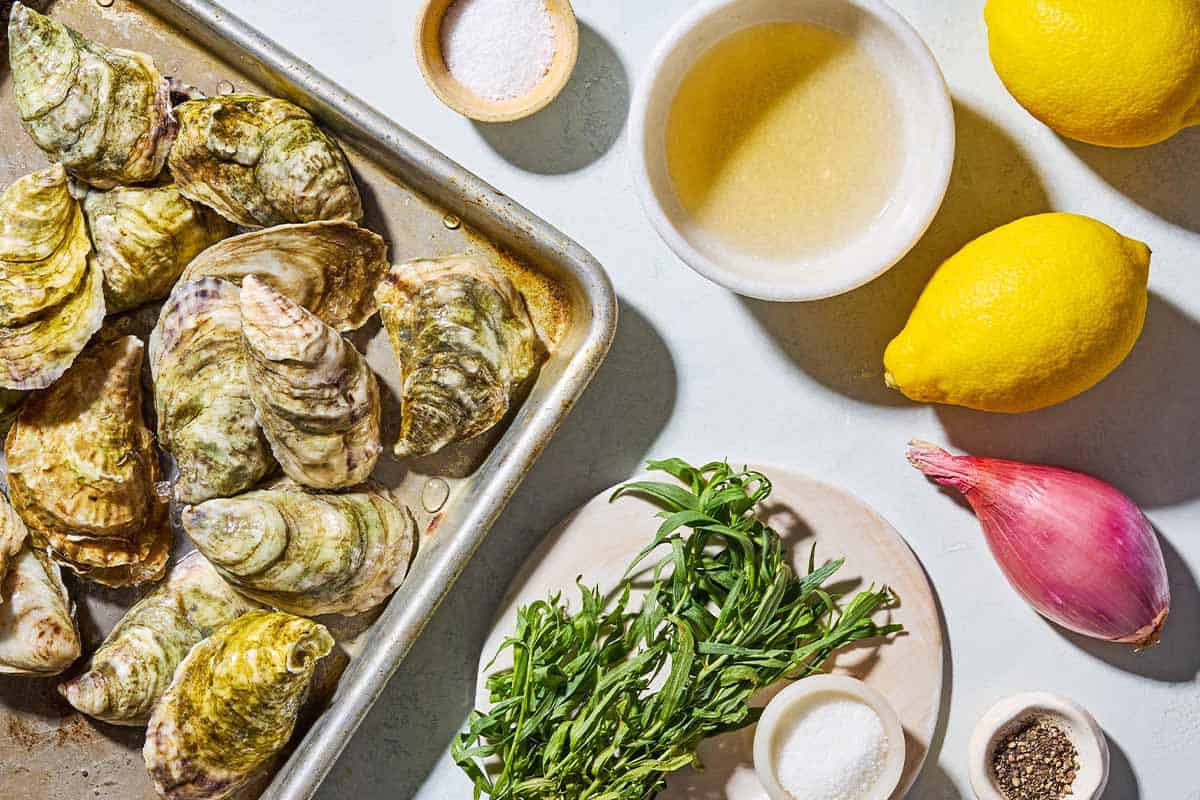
column 831, row 748
column 499, row 49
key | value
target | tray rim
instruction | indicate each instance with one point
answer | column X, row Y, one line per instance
column 410, row 609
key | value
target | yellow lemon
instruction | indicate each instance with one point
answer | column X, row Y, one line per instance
column 1026, row 316
column 1118, row 73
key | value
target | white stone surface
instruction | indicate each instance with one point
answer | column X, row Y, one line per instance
column 700, row 373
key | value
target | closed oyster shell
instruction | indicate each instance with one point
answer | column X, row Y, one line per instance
column 43, row 245
column 13, row 534
column 232, row 705
column 260, row 161
column 83, row 473
column 10, row 405
column 465, row 342
column 202, row 395
column 104, row 113
column 330, row 268
column 144, row 237
column 50, row 300
column 307, row 553
column 38, row 635
column 35, row 354
column 131, row 670
column 315, row 397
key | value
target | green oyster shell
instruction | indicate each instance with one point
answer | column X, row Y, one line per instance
column 104, row 113
column 315, row 397
column 131, row 670
column 143, row 237
column 232, row 705
column 13, row 534
column 260, row 161
column 202, row 395
column 43, row 245
column 38, row 635
column 465, row 342
column 50, row 300
column 330, row 268
column 307, row 553
column 83, row 473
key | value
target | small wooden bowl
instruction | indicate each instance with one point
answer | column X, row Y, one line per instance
column 469, row 104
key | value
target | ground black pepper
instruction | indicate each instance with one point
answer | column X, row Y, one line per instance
column 1037, row 761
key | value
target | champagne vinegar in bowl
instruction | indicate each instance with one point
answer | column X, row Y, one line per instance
column 792, row 149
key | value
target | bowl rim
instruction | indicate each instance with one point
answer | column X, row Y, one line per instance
column 805, row 688
column 1082, row 728
column 941, row 118
column 427, row 48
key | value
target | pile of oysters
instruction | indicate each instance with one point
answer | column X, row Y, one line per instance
column 243, row 215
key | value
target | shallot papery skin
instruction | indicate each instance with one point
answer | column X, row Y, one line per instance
column 1079, row 551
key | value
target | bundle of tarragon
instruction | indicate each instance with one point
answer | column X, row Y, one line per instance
column 603, row 702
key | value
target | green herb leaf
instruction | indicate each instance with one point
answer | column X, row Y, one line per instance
column 725, row 615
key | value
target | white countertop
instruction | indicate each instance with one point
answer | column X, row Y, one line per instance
column 700, row 373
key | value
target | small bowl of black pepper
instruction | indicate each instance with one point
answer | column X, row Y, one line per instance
column 1038, row 746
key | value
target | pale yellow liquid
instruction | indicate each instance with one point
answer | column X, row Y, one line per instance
column 784, row 141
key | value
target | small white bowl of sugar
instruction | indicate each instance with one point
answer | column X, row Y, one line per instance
column 497, row 60
column 829, row 737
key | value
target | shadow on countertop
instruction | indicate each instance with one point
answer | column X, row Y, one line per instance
column 1161, row 178
column 1176, row 659
column 580, row 126
column 1122, row 780
column 605, row 439
column 1137, row 429
column 840, row 341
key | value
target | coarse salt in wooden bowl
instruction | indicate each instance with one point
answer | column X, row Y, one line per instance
column 458, row 97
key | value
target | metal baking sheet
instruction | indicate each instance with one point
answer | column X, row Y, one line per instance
column 424, row 205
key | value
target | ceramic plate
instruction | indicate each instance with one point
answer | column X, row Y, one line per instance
column 598, row 540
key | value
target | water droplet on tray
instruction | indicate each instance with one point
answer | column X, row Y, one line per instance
column 104, row 3
column 224, row 87
column 435, row 494
column 452, row 222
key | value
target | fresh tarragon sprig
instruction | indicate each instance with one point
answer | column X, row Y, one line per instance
column 602, row 703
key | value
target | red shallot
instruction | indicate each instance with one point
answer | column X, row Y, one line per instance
column 1079, row 551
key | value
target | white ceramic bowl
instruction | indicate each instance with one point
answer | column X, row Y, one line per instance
column 925, row 108
column 802, row 691
column 1004, row 718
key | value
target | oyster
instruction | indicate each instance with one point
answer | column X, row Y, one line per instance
column 232, row 705
column 260, row 161
column 128, row 674
column 201, row 393
column 307, row 553
column 37, row 622
column 10, row 405
column 83, row 473
column 43, row 245
column 103, row 113
column 144, row 237
column 315, row 397
column 465, row 342
column 50, row 299
column 330, row 268
column 13, row 534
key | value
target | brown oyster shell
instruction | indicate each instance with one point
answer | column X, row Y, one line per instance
column 330, row 268
column 83, row 473
column 38, row 634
